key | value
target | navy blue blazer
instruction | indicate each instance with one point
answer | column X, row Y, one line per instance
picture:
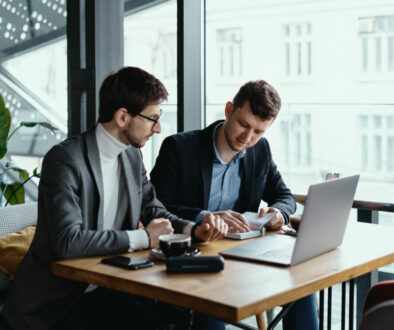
column 183, row 172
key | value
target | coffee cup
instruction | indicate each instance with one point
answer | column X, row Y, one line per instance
column 174, row 244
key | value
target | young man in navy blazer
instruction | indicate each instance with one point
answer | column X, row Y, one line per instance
column 227, row 169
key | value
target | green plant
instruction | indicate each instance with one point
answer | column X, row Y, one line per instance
column 14, row 192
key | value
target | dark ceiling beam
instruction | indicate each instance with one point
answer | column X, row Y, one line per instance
column 32, row 44
column 135, row 6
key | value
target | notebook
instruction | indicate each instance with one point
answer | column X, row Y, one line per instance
column 256, row 225
column 322, row 227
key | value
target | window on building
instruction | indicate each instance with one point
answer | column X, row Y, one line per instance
column 297, row 140
column 298, row 49
column 164, row 55
column 376, row 35
column 229, row 43
column 377, row 143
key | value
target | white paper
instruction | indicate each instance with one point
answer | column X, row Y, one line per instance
column 256, row 225
column 255, row 222
column 245, row 235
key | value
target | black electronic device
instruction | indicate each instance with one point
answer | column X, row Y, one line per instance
column 128, row 263
column 188, row 264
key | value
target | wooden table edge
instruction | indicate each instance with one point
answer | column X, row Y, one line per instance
column 223, row 311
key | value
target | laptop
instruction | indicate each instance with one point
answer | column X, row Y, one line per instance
column 322, row 227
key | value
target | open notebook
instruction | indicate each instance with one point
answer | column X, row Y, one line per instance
column 256, row 225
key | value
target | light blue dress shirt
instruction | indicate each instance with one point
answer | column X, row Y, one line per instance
column 225, row 183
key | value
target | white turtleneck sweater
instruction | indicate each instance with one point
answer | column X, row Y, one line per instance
column 114, row 188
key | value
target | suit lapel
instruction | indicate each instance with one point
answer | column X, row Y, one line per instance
column 206, row 160
column 206, row 171
column 248, row 167
column 94, row 160
column 131, row 186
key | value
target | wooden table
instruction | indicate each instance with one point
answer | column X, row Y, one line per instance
column 244, row 288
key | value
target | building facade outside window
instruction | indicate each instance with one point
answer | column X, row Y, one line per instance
column 312, row 52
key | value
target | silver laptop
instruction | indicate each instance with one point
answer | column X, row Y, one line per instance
column 322, row 227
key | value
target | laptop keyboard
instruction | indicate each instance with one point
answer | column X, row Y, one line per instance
column 277, row 253
column 282, row 253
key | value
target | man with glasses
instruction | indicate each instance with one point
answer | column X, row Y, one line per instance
column 92, row 194
column 227, row 169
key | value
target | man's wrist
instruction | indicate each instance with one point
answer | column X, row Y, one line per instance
column 193, row 234
column 149, row 239
column 285, row 217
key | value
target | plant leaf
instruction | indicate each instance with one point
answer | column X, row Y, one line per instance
column 36, row 173
column 14, row 193
column 12, row 166
column 23, row 174
column 5, row 123
column 28, row 123
column 40, row 123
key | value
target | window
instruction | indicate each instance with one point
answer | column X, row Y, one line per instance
column 297, row 140
column 376, row 34
column 33, row 78
column 229, row 43
column 150, row 43
column 311, row 53
column 298, row 49
column 164, row 55
column 50, row 64
column 376, row 143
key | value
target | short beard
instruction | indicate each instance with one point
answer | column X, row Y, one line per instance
column 131, row 141
column 227, row 137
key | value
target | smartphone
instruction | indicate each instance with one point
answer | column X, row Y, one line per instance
column 128, row 263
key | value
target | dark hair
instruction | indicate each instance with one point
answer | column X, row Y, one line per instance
column 131, row 88
column 264, row 100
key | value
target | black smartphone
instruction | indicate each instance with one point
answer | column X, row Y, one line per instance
column 128, row 263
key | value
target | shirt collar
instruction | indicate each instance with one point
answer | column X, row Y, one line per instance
column 108, row 146
column 217, row 158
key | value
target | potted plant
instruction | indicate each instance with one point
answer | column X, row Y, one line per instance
column 14, row 192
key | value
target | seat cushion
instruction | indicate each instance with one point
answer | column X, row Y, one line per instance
column 13, row 248
column 15, row 218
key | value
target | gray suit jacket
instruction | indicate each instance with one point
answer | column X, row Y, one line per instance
column 70, row 225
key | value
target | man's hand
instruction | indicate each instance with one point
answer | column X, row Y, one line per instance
column 212, row 228
column 235, row 221
column 158, row 227
column 276, row 222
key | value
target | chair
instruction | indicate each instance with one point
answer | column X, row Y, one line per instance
column 378, row 311
column 12, row 219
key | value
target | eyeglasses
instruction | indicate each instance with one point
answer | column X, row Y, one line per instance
column 151, row 119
